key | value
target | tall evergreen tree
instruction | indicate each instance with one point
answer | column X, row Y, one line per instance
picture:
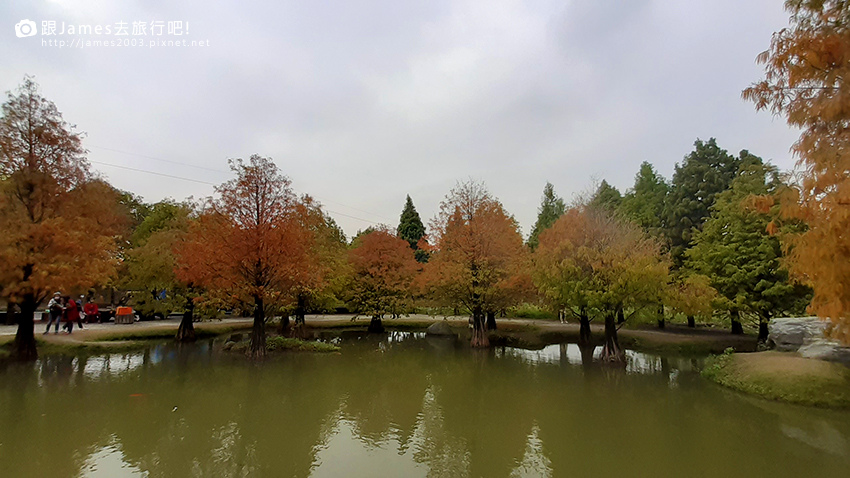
column 606, row 198
column 742, row 260
column 551, row 208
column 644, row 203
column 411, row 229
column 706, row 172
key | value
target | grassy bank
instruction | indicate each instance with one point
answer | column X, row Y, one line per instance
column 284, row 344
column 523, row 333
column 782, row 376
column 118, row 338
column 202, row 330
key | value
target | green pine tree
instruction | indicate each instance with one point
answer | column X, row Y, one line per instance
column 706, row 172
column 606, row 197
column 551, row 208
column 411, row 229
column 743, row 261
column 644, row 203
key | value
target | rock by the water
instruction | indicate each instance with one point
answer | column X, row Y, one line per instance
column 235, row 338
column 440, row 328
column 789, row 334
column 825, row 349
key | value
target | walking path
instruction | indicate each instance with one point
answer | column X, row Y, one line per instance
column 529, row 328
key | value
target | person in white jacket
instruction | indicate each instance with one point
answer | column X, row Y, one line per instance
column 55, row 308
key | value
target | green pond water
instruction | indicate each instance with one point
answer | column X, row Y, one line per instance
column 399, row 405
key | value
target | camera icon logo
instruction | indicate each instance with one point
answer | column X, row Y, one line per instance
column 25, row 28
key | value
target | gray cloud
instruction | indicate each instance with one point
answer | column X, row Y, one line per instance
column 364, row 102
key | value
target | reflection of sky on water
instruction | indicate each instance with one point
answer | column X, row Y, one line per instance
column 112, row 364
column 534, row 462
column 554, row 354
column 397, row 336
column 109, row 461
column 636, row 362
column 823, row 436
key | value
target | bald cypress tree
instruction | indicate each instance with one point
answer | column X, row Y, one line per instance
column 411, row 229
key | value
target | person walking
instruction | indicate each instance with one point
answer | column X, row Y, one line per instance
column 72, row 314
column 80, row 312
column 55, row 308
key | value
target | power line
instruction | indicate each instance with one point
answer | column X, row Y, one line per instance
column 152, row 172
column 160, row 159
column 326, row 200
column 211, row 184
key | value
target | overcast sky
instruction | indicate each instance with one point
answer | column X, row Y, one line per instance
column 363, row 102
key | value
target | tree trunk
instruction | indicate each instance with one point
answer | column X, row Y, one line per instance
column 186, row 330
column 10, row 314
column 611, row 350
column 491, row 320
column 661, row 322
column 376, row 325
column 23, row 348
column 258, row 332
column 763, row 332
column 737, row 328
column 584, row 336
column 621, row 316
column 284, row 325
column 691, row 322
column 479, row 334
column 300, row 309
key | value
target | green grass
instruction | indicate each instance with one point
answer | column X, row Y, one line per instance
column 696, row 347
column 72, row 348
column 782, row 376
column 531, row 311
column 280, row 344
column 285, row 343
column 201, row 331
column 136, row 334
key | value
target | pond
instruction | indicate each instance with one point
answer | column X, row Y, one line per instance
column 399, row 405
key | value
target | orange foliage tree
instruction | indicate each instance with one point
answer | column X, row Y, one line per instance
column 247, row 242
column 383, row 268
column 323, row 259
column 59, row 224
column 478, row 254
column 806, row 71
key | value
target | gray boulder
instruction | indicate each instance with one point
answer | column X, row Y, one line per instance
column 440, row 328
column 789, row 334
column 825, row 349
